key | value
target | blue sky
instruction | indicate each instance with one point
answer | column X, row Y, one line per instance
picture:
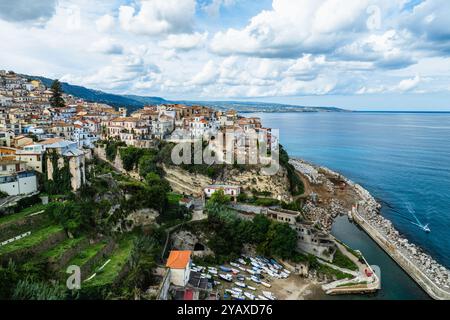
column 357, row 54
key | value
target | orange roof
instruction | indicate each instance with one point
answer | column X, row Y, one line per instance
column 178, row 259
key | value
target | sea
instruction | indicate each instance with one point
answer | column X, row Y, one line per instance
column 402, row 159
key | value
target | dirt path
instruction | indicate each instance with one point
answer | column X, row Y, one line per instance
column 294, row 288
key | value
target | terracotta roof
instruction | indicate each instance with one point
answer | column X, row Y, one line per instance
column 178, row 259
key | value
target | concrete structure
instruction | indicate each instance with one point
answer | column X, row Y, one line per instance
column 309, row 239
column 15, row 179
column 179, row 263
column 67, row 150
column 229, row 190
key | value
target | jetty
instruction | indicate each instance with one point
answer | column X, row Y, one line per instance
column 432, row 277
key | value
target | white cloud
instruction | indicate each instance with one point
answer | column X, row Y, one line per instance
column 409, row 84
column 213, row 8
column 105, row 23
column 107, row 46
column 184, row 41
column 157, row 17
column 207, row 75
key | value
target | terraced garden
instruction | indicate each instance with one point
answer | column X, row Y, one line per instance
column 55, row 253
column 10, row 218
column 31, row 240
column 108, row 271
column 86, row 254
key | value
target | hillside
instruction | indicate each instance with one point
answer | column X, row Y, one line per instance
column 133, row 102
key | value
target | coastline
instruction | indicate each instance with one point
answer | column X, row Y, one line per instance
column 431, row 276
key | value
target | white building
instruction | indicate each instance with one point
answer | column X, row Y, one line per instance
column 15, row 179
column 179, row 263
column 229, row 190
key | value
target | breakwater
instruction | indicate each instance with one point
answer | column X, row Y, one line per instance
column 427, row 272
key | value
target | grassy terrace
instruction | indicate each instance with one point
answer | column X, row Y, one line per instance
column 56, row 252
column 27, row 242
column 118, row 259
column 22, row 214
column 86, row 254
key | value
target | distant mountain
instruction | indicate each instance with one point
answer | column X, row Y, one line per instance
column 244, row 107
column 130, row 102
column 134, row 102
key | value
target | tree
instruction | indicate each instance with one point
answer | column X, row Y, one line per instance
column 281, row 241
column 56, row 99
column 219, row 197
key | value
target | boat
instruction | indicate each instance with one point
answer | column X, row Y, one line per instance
column 225, row 269
column 237, row 290
column 249, row 295
column 268, row 295
column 226, row 277
column 242, row 269
column 235, row 271
column 251, row 271
column 240, row 284
column 205, row 276
column 265, row 284
column 233, row 264
column 242, row 261
column 255, row 264
column 251, row 288
column 217, row 283
column 241, row 278
column 255, row 279
column 212, row 271
column 262, row 298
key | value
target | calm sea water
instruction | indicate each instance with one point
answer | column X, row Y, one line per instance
column 403, row 159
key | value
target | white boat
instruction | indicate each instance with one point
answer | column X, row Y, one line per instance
column 265, row 284
column 284, row 275
column 212, row 271
column 286, row 271
column 237, row 290
column 255, row 279
column 226, row 277
column 268, row 295
column 235, row 271
column 205, row 276
column 251, row 288
column 240, row 284
column 233, row 264
column 256, row 265
column 217, row 283
column 249, row 295
column 262, row 298
column 242, row 269
column 242, row 261
column 251, row 271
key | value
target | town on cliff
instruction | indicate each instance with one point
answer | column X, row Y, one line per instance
column 95, row 205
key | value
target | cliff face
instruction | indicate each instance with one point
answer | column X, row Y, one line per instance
column 277, row 185
column 185, row 182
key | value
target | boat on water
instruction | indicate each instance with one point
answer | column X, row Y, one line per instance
column 226, row 277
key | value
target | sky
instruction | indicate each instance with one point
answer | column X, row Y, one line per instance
column 355, row 54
